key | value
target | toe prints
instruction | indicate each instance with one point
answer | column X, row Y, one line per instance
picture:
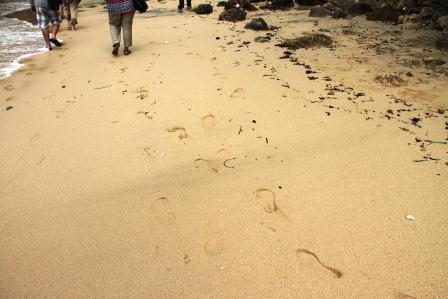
column 161, row 209
column 267, row 198
column 180, row 131
column 336, row 273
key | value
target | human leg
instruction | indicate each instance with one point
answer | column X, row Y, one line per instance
column 74, row 14
column 128, row 19
column 43, row 22
column 181, row 5
column 67, row 14
column 115, row 22
column 55, row 18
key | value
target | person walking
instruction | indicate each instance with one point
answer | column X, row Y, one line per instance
column 71, row 12
column 48, row 12
column 181, row 5
column 121, row 15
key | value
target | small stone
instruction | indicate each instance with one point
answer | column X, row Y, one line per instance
column 9, row 107
column 409, row 217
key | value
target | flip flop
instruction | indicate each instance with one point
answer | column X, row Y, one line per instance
column 55, row 42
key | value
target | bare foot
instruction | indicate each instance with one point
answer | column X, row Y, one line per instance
column 126, row 51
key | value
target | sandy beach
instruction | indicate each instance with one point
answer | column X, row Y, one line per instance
column 209, row 165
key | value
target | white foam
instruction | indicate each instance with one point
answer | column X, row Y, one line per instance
column 16, row 65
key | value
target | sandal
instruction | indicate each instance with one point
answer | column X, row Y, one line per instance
column 55, row 42
column 126, row 51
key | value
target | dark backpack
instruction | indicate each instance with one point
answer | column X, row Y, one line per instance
column 139, row 5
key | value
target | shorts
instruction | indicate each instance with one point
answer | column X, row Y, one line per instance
column 44, row 16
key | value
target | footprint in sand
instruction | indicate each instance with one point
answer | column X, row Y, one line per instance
column 267, row 198
column 335, row 272
column 180, row 131
column 214, row 245
column 237, row 93
column 9, row 87
column 222, row 158
column 208, row 121
column 400, row 295
column 206, row 164
column 161, row 209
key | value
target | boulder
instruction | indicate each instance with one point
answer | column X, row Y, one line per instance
column 442, row 43
column 309, row 2
column 233, row 15
column 246, row 5
column 442, row 23
column 257, row 24
column 426, row 12
column 338, row 13
column 280, row 4
column 203, row 9
column 319, row 12
column 357, row 9
column 385, row 14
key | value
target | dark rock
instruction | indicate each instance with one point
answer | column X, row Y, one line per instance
column 280, row 4
column 442, row 43
column 257, row 24
column 434, row 62
column 233, row 15
column 25, row 15
column 442, row 23
column 309, row 2
column 246, row 5
column 357, row 9
column 426, row 12
column 203, row 9
column 9, row 107
column 319, row 12
column 384, row 14
column 313, row 40
column 338, row 13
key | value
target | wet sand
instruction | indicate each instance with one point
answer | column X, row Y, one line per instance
column 206, row 164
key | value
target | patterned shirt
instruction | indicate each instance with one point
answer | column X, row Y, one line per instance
column 120, row 6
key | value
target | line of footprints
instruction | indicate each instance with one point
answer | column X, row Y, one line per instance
column 214, row 245
column 163, row 213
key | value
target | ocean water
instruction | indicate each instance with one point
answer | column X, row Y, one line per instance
column 18, row 38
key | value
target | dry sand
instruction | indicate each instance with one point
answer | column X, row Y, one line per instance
column 206, row 167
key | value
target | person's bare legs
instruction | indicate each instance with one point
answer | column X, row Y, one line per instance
column 54, row 30
column 46, row 34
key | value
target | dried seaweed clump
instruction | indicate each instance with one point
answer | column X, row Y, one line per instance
column 312, row 40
